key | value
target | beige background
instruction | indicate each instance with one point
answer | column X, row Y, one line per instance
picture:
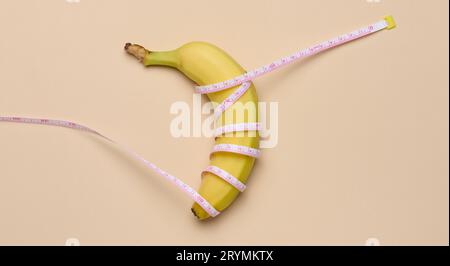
column 365, row 125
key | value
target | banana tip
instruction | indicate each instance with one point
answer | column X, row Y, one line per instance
column 136, row 50
column 195, row 214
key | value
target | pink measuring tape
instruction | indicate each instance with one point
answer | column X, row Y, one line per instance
column 244, row 81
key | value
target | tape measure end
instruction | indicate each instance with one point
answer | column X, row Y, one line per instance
column 390, row 22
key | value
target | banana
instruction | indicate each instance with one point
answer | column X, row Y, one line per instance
column 205, row 64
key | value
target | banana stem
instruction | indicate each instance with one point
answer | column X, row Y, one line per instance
column 152, row 58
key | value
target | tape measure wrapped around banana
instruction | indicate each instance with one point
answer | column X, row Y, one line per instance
column 235, row 152
column 226, row 83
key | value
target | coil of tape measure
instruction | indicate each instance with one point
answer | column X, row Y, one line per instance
column 244, row 81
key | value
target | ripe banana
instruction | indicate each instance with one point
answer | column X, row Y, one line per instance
column 205, row 64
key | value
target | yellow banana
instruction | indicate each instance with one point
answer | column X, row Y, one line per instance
column 205, row 64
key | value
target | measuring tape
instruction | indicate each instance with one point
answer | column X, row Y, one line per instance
column 244, row 81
